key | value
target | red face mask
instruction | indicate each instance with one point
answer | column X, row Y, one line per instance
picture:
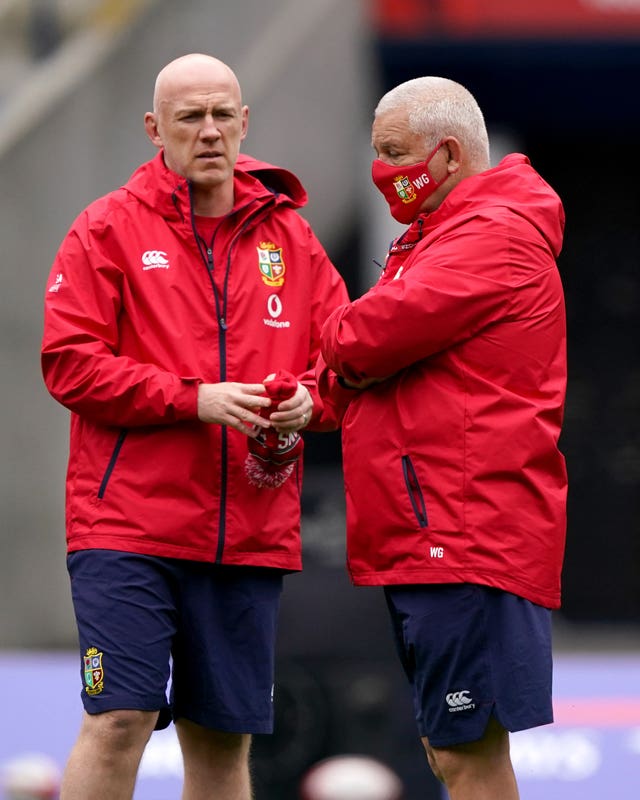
column 406, row 188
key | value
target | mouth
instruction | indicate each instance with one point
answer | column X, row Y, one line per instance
column 209, row 155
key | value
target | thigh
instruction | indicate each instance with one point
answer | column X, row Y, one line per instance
column 520, row 649
column 125, row 613
column 472, row 652
column 223, row 671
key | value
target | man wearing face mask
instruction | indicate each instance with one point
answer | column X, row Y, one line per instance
column 449, row 376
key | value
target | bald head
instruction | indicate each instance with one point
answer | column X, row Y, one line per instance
column 191, row 71
column 198, row 121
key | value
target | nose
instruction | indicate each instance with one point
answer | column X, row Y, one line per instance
column 209, row 128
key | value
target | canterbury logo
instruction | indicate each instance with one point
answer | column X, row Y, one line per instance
column 460, row 701
column 155, row 259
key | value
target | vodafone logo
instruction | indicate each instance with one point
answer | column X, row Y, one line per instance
column 274, row 309
column 155, row 259
column 274, row 306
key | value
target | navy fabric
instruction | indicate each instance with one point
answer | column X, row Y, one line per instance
column 471, row 652
column 207, row 630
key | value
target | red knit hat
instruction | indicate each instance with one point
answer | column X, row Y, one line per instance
column 272, row 455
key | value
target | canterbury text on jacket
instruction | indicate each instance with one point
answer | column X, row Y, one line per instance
column 452, row 467
column 138, row 312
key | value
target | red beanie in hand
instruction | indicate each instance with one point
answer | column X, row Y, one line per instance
column 272, row 455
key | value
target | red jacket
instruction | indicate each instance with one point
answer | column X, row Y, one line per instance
column 452, row 467
column 136, row 316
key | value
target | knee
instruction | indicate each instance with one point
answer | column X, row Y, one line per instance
column 120, row 730
column 222, row 746
column 445, row 764
column 482, row 757
column 233, row 744
column 433, row 762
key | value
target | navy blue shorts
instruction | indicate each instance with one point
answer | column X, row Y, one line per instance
column 472, row 652
column 208, row 630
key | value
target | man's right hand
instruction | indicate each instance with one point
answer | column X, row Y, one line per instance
column 233, row 404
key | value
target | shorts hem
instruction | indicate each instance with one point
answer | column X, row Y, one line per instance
column 119, row 705
column 228, row 725
column 468, row 737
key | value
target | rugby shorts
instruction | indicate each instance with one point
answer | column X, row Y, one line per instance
column 471, row 652
column 206, row 631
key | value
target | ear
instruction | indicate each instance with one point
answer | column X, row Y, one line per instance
column 245, row 123
column 151, row 127
column 453, row 148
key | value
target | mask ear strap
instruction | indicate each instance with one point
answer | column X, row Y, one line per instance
column 435, row 150
column 427, row 161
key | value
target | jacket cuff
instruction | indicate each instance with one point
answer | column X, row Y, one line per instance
column 186, row 399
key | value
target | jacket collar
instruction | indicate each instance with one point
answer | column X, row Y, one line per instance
column 256, row 183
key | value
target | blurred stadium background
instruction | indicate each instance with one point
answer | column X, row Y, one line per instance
column 557, row 80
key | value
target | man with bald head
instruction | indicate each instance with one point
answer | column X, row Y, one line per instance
column 182, row 322
column 187, row 89
column 450, row 374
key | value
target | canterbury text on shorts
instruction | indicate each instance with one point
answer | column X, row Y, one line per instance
column 208, row 630
column 471, row 652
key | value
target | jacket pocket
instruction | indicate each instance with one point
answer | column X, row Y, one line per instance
column 414, row 491
column 112, row 462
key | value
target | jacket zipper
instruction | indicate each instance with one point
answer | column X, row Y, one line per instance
column 221, row 311
column 112, row 462
column 222, row 351
column 414, row 491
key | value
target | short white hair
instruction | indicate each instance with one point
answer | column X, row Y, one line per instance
column 440, row 107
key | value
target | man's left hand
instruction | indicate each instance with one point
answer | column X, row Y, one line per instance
column 295, row 413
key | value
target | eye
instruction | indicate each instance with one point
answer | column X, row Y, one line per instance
column 390, row 154
column 390, row 150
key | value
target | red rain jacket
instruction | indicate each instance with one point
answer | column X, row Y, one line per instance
column 452, row 467
column 137, row 314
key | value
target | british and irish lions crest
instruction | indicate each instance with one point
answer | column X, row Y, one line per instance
column 93, row 672
column 405, row 190
column 271, row 264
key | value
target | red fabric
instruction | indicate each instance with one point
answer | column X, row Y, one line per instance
column 272, row 455
column 452, row 467
column 135, row 318
column 463, row 18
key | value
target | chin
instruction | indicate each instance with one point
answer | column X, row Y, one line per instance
column 209, row 180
